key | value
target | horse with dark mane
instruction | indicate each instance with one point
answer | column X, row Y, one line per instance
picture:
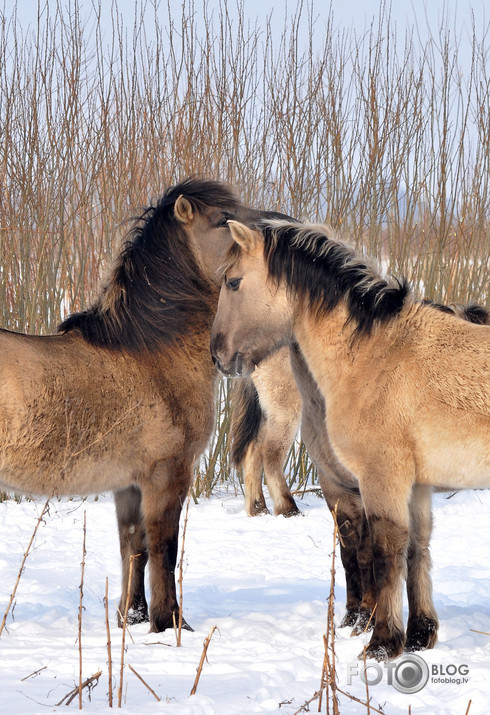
column 122, row 398
column 405, row 391
column 268, row 408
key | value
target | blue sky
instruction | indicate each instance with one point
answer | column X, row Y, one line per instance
column 424, row 17
column 347, row 13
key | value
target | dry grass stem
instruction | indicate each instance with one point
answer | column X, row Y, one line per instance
column 21, row 570
column 329, row 675
column 108, row 631
column 368, row 710
column 123, row 639
column 80, row 610
column 203, row 658
column 181, row 574
column 144, row 682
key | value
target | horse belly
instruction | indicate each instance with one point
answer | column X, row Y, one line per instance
column 83, row 451
column 459, row 463
column 86, row 478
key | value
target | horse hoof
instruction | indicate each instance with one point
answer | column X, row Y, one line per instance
column 258, row 508
column 291, row 511
column 158, row 625
column 349, row 619
column 138, row 614
column 382, row 649
column 421, row 633
column 363, row 624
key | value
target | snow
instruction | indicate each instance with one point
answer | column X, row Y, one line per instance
column 264, row 582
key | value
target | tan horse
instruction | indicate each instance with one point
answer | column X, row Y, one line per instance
column 123, row 397
column 266, row 413
column 407, row 390
column 265, row 417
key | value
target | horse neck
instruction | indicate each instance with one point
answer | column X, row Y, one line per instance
column 332, row 350
column 336, row 356
column 324, row 340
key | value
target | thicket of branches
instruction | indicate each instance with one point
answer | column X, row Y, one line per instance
column 385, row 138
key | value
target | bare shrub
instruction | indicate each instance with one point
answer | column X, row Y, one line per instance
column 385, row 138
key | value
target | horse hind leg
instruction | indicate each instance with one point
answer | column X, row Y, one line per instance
column 246, row 420
column 260, row 442
column 276, row 443
column 162, row 498
column 422, row 618
column 280, row 404
column 132, row 543
column 252, row 476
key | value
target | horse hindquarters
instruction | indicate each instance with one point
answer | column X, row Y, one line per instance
column 132, row 543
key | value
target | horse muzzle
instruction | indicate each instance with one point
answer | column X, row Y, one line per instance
column 234, row 366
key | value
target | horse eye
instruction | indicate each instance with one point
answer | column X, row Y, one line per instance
column 222, row 221
column 233, row 283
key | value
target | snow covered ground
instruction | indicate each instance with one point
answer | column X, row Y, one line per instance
column 263, row 582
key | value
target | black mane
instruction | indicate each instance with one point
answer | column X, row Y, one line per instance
column 326, row 271
column 155, row 289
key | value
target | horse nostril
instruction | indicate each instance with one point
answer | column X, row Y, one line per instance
column 216, row 362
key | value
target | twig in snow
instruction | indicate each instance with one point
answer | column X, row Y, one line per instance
column 31, row 675
column 89, row 683
column 144, row 682
column 2, row 625
column 305, row 708
column 203, row 657
column 361, row 702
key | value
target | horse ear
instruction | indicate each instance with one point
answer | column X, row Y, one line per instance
column 247, row 239
column 183, row 210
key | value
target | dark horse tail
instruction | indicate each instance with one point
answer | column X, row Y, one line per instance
column 246, row 418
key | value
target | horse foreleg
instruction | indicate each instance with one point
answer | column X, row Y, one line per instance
column 366, row 619
column 389, row 538
column 422, row 617
column 162, row 498
column 349, row 543
column 349, row 521
column 132, row 543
